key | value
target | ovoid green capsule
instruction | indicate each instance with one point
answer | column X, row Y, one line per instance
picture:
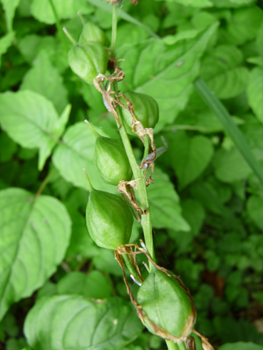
column 166, row 303
column 109, row 219
column 111, row 160
column 91, row 32
column 88, row 60
column 146, row 110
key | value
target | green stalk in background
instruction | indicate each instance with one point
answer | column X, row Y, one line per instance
column 230, row 127
column 58, row 25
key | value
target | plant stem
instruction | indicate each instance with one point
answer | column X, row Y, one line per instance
column 58, row 25
column 44, row 183
column 230, row 127
column 131, row 268
column 137, row 173
column 175, row 346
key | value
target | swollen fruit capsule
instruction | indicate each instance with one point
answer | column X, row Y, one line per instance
column 109, row 219
column 111, row 160
column 87, row 60
column 146, row 110
column 166, row 303
column 91, row 32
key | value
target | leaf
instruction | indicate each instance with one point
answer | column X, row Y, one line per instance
column 242, row 25
column 165, row 72
column 35, row 232
column 75, row 323
column 94, row 285
column 9, row 9
column 255, row 92
column 232, row 3
column 223, row 73
column 189, row 156
column 195, row 3
column 230, row 166
column 259, row 41
column 240, row 346
column 44, row 79
column 43, row 12
column 255, row 210
column 31, row 45
column 5, row 42
column 75, row 153
column 30, row 120
column 164, row 203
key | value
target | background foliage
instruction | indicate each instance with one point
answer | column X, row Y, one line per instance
column 207, row 203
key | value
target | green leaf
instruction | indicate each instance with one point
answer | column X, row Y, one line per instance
column 31, row 45
column 44, row 79
column 35, row 232
column 5, row 42
column 9, row 147
column 30, row 120
column 230, row 166
column 73, row 322
column 164, row 204
column 232, row 3
column 259, row 41
column 255, row 210
column 75, row 153
column 222, row 72
column 42, row 10
column 255, row 91
column 94, row 285
column 9, row 9
column 242, row 25
column 189, row 156
column 195, row 3
column 240, row 346
column 165, row 72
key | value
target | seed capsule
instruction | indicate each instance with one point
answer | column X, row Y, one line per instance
column 111, row 160
column 146, row 110
column 88, row 60
column 166, row 303
column 91, row 32
column 109, row 219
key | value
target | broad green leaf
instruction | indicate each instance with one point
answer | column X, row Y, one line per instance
column 232, row 3
column 259, row 41
column 10, row 8
column 242, row 25
column 35, row 232
column 165, row 207
column 255, row 92
column 44, row 79
column 5, row 42
column 165, row 72
column 76, row 152
column 94, row 285
column 43, row 12
column 105, row 261
column 230, row 166
column 9, row 147
column 241, row 346
column 255, row 210
column 30, row 120
column 31, row 45
column 73, row 322
column 222, row 71
column 194, row 213
column 195, row 3
column 189, row 156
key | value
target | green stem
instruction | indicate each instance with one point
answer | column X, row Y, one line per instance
column 175, row 346
column 58, row 25
column 141, row 187
column 230, row 127
column 88, row 181
column 44, row 183
column 137, row 173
